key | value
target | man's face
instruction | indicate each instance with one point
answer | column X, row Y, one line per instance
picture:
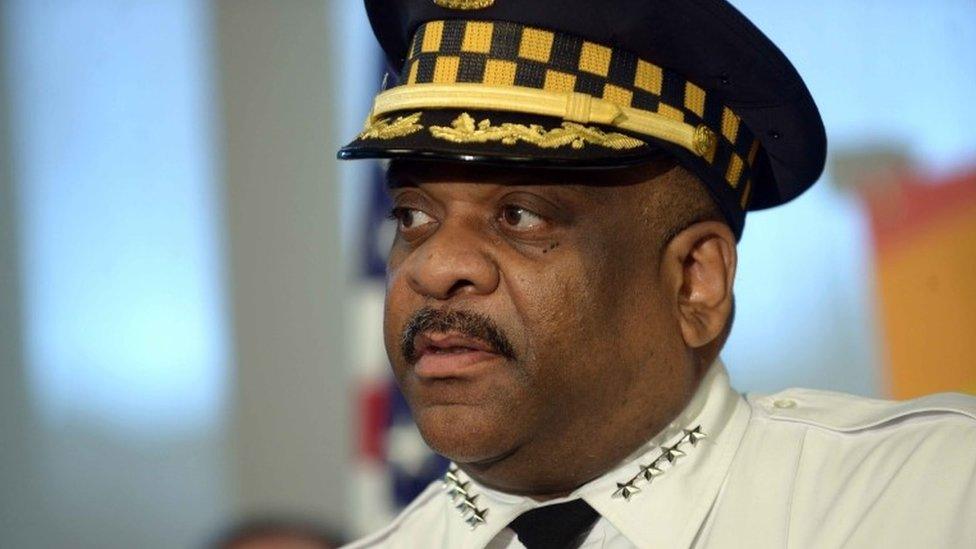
column 525, row 312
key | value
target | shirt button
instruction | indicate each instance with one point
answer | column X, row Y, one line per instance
column 785, row 403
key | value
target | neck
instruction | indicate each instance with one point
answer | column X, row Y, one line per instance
column 557, row 462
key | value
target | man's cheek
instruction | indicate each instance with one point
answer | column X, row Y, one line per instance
column 394, row 320
column 395, row 278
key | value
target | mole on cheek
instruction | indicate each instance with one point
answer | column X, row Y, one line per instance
column 552, row 246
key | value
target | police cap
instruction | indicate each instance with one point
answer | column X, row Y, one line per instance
column 596, row 83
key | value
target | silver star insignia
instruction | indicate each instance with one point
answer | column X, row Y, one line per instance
column 626, row 490
column 695, row 435
column 664, row 462
column 650, row 471
column 476, row 518
column 458, row 489
column 672, row 453
column 467, row 504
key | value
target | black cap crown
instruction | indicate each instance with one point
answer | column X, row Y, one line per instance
column 596, row 83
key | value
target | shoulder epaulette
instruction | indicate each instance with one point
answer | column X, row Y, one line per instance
column 848, row 413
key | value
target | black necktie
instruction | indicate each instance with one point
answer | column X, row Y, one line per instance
column 559, row 526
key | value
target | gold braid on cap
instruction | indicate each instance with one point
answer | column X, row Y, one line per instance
column 507, row 67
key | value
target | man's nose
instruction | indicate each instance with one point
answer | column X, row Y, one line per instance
column 452, row 262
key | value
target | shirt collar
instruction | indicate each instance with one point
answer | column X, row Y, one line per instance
column 666, row 511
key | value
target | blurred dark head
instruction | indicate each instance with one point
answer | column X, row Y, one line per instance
column 274, row 533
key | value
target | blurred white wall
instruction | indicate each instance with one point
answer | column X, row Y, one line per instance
column 169, row 259
column 292, row 400
column 18, row 515
column 120, row 301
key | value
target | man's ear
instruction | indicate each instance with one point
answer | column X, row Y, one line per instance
column 699, row 266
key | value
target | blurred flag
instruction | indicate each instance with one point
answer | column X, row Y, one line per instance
column 925, row 271
column 377, row 235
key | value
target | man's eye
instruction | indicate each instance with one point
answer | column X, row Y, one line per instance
column 410, row 218
column 520, row 219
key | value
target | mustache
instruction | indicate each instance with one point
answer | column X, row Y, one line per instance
column 465, row 323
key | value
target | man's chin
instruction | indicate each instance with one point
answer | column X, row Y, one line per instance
column 466, row 434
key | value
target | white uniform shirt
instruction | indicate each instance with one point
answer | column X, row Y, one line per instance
column 799, row 469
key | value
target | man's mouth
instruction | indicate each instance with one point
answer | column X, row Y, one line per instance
column 445, row 355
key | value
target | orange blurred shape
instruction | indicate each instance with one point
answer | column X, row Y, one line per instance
column 925, row 265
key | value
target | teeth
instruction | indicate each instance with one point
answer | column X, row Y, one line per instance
column 452, row 350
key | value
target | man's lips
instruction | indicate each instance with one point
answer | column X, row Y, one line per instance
column 447, row 355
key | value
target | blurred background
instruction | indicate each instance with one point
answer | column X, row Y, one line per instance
column 191, row 286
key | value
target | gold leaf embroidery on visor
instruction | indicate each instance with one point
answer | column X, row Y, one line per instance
column 464, row 130
column 384, row 129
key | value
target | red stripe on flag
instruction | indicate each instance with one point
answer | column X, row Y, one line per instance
column 374, row 419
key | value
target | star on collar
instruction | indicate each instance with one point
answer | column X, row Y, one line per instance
column 669, row 455
column 451, row 476
column 648, row 472
column 467, row 504
column 695, row 435
column 463, row 499
column 672, row 453
column 455, row 489
column 476, row 518
column 626, row 489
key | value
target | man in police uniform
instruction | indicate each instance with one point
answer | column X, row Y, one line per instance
column 570, row 181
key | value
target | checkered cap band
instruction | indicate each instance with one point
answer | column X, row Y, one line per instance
column 509, row 54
